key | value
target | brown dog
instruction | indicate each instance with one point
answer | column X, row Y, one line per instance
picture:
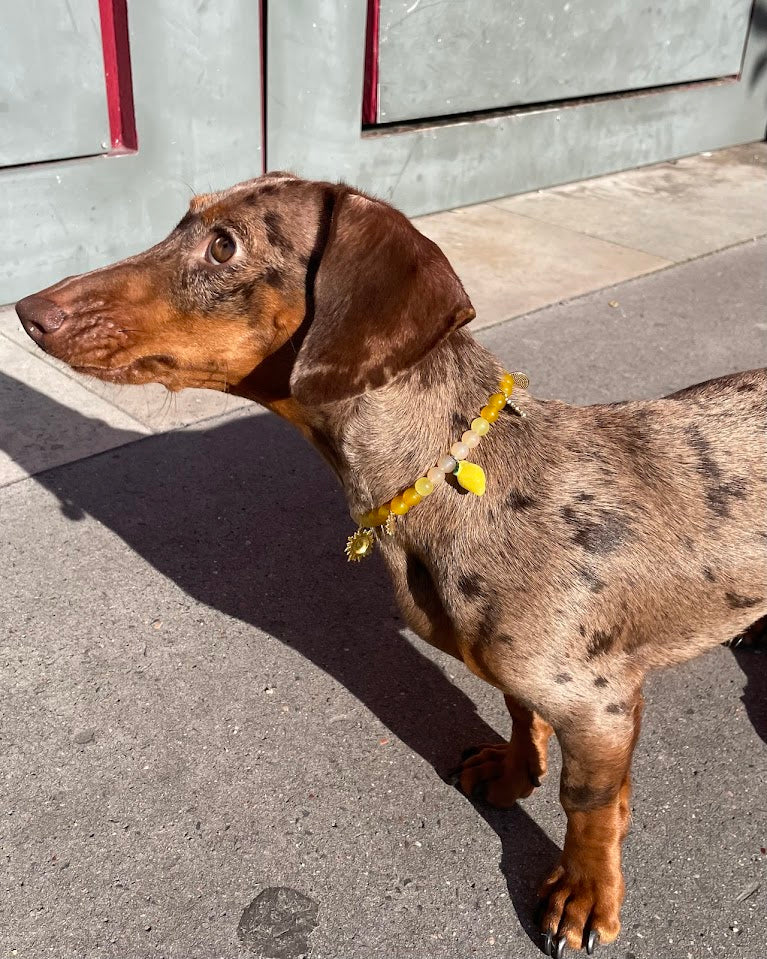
column 611, row 539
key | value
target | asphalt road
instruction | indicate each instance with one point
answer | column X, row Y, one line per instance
column 218, row 741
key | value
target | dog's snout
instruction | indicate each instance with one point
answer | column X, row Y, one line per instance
column 40, row 316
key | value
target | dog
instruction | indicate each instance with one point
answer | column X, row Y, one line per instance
column 610, row 540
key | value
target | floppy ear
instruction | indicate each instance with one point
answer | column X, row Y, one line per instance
column 383, row 296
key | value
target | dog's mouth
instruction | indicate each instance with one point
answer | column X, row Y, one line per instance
column 145, row 369
column 156, row 368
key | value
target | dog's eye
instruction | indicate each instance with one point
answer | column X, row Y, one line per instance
column 221, row 249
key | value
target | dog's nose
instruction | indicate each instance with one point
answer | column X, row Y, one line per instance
column 39, row 316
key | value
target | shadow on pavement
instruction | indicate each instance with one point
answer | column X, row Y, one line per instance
column 246, row 518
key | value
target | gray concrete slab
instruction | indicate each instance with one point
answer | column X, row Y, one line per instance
column 676, row 210
column 512, row 264
column 201, row 701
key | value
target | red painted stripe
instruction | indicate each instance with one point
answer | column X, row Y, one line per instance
column 262, row 54
column 370, row 91
column 117, row 74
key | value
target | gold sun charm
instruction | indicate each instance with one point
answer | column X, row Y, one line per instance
column 360, row 545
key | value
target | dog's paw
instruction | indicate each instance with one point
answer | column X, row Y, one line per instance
column 580, row 907
column 499, row 774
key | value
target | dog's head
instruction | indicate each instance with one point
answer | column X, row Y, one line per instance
column 275, row 288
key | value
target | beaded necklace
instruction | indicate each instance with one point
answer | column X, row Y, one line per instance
column 468, row 475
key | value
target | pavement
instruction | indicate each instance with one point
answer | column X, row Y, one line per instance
column 219, row 741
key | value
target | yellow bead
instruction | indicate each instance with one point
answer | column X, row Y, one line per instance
column 480, row 426
column 507, row 384
column 398, row 506
column 497, row 400
column 424, row 486
column 368, row 519
column 489, row 413
column 472, row 477
column 411, row 497
column 382, row 514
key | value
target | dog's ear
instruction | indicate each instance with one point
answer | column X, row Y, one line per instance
column 383, row 296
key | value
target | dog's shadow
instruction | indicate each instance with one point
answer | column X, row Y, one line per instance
column 250, row 500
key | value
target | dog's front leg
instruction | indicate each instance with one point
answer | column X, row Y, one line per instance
column 582, row 898
column 502, row 773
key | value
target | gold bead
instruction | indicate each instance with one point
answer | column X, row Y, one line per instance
column 480, row 426
column 498, row 400
column 398, row 506
column 506, row 384
column 522, row 380
column 411, row 497
column 489, row 413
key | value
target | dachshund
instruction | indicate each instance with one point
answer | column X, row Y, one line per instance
column 610, row 540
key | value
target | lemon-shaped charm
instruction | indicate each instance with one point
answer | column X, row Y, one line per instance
column 471, row 477
column 360, row 545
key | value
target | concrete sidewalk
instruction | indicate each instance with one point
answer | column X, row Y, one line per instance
column 202, row 702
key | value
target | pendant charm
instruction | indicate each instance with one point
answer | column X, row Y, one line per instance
column 360, row 545
column 471, row 477
column 522, row 380
column 391, row 522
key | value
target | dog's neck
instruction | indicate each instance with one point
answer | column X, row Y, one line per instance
column 382, row 441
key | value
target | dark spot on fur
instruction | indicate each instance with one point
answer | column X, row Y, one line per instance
column 471, row 586
column 601, row 531
column 688, row 544
column 520, row 501
column 582, row 629
column 708, row 574
column 488, row 622
column 584, row 498
column 266, row 189
column 702, row 448
column 459, row 425
column 274, row 277
column 615, row 708
column 562, row 678
column 273, row 223
column 600, row 682
column 736, row 601
column 718, row 497
column 719, row 492
column 601, row 641
column 590, row 578
column 746, row 388
column 569, row 515
column 586, row 797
